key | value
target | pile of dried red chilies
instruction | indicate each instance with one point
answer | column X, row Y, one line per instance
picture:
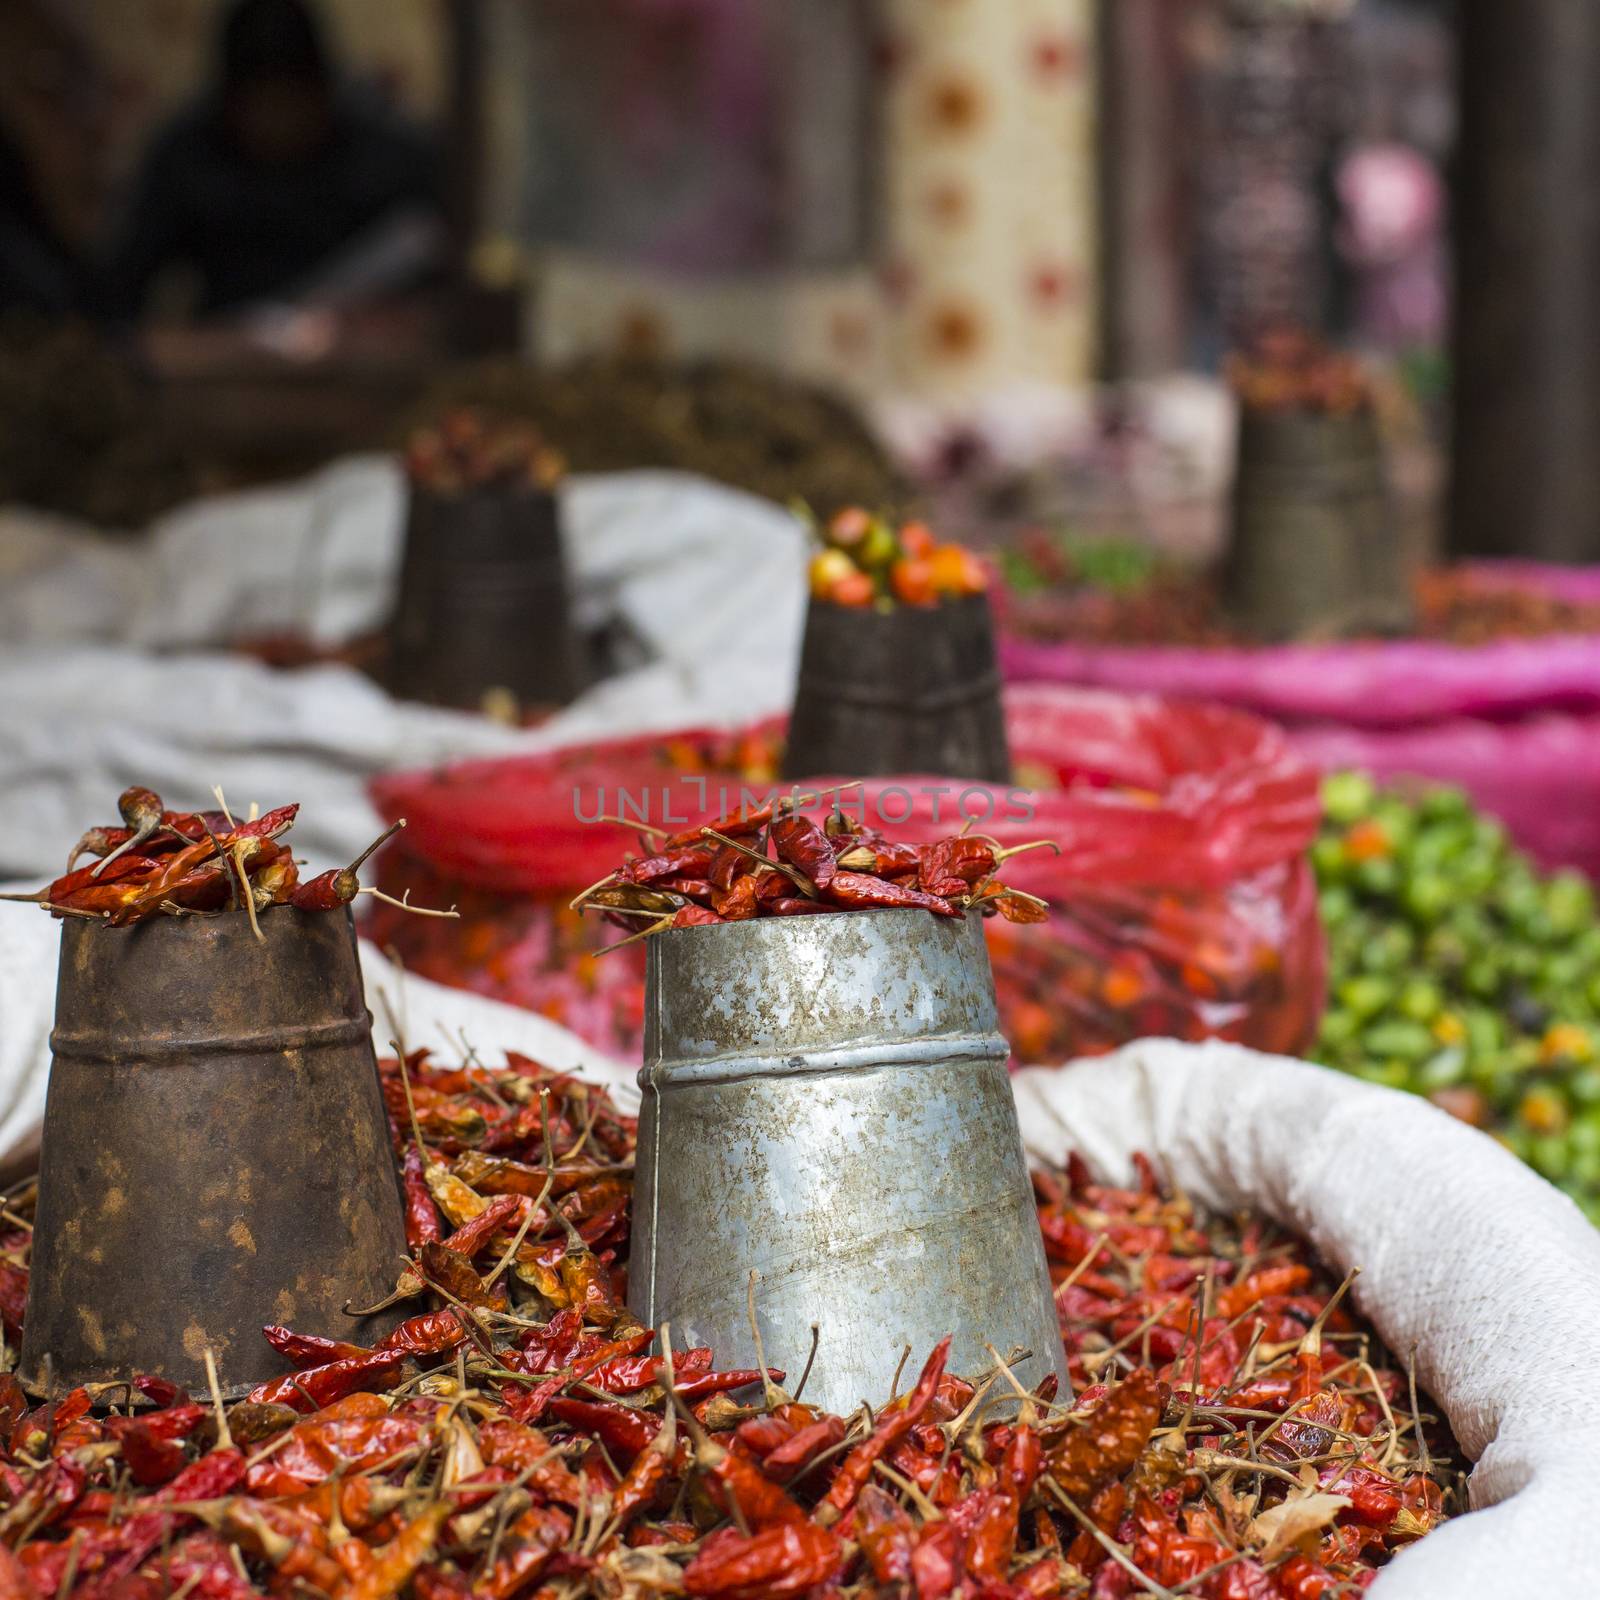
column 771, row 860
column 184, row 863
column 1232, row 1433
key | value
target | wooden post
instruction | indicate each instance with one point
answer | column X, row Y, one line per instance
column 464, row 26
column 1526, row 473
column 1143, row 282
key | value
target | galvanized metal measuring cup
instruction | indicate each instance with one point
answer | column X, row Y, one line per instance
column 215, row 1156
column 826, row 1101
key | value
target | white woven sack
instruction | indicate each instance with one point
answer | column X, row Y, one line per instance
column 1468, row 1257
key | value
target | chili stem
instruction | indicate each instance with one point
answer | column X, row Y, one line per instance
column 405, row 904
column 377, row 844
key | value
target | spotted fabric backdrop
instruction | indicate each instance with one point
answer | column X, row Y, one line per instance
column 983, row 267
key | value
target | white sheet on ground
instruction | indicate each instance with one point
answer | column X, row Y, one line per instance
column 1489, row 1273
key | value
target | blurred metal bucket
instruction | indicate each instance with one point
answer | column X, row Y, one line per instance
column 826, row 1100
column 909, row 690
column 1313, row 543
column 216, row 1152
column 483, row 603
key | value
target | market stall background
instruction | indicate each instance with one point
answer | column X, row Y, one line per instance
column 1188, row 342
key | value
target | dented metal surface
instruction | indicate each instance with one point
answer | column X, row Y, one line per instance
column 483, row 602
column 215, row 1152
column 826, row 1101
column 907, row 690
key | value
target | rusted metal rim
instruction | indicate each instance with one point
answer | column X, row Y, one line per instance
column 268, row 1041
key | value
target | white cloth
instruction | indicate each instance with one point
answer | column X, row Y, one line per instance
column 688, row 564
column 1489, row 1273
column 708, row 579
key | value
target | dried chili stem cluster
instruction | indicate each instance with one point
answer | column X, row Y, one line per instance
column 183, row 863
column 1231, row 1433
column 772, row 861
column 469, row 448
column 1289, row 370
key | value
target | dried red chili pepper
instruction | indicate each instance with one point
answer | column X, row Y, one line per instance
column 785, row 1559
column 530, row 1542
column 806, row 848
column 798, row 906
column 738, row 825
column 649, row 1474
column 453, row 1273
column 308, row 1349
column 885, row 1533
column 792, row 1457
column 1112, row 1440
column 695, row 917
column 891, row 1427
column 955, row 866
column 693, row 861
column 394, row 1564
column 152, row 1445
column 430, row 1334
column 855, row 891
column 530, row 1407
column 14, row 1581
column 422, row 1215
column 623, row 1429
column 737, row 903
column 318, row 1386
column 697, row 1388
column 471, row 1237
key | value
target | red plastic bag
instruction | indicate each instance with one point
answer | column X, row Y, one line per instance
column 510, row 842
column 1182, row 901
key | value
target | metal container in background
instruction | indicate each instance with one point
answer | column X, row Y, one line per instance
column 912, row 689
column 826, row 1100
column 1314, row 546
column 216, row 1152
column 484, row 604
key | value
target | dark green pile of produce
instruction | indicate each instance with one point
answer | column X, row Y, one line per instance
column 1459, row 971
column 743, row 425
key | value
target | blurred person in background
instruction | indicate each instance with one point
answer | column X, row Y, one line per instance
column 38, row 269
column 283, row 186
column 55, row 106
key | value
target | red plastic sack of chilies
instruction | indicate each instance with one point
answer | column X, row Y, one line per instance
column 1182, row 902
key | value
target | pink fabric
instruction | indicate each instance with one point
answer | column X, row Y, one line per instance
column 1541, row 777
column 1516, row 724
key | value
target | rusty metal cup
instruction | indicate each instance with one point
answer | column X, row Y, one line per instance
column 914, row 689
column 826, row 1101
column 216, row 1152
column 483, row 602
